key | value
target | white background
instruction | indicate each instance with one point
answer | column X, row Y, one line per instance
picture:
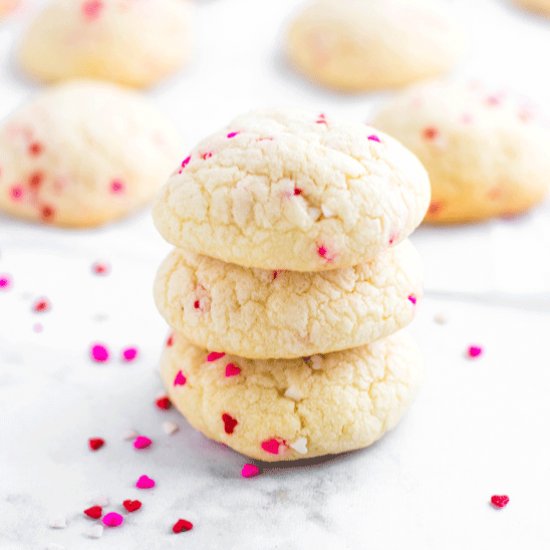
column 477, row 427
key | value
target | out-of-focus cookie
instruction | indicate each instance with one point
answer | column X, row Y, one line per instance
column 82, row 154
column 284, row 314
column 291, row 409
column 539, row 6
column 131, row 42
column 294, row 190
column 7, row 6
column 358, row 45
column 486, row 152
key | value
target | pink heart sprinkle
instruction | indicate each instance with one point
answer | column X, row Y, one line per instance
column 214, row 356
column 142, row 442
column 145, row 482
column 232, row 370
column 271, row 446
column 180, row 379
column 99, row 353
column 129, row 354
column 117, row 186
column 112, row 519
column 5, row 282
column 474, row 351
column 232, row 134
column 250, row 470
column 374, row 138
column 16, row 192
column 412, row 299
column 186, row 161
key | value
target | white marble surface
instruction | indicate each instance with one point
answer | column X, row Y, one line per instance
column 477, row 427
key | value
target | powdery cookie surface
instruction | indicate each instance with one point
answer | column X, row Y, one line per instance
column 287, row 410
column 366, row 44
column 82, row 154
column 131, row 42
column 486, row 152
column 284, row 314
column 540, row 6
column 293, row 190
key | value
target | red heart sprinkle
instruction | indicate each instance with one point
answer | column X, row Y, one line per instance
column 94, row 512
column 41, row 305
column 182, row 525
column 131, row 505
column 229, row 423
column 170, row 341
column 96, row 443
column 163, row 403
column 500, row 501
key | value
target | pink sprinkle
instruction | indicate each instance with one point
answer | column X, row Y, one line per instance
column 322, row 250
column 16, row 192
column 186, row 161
column 180, row 379
column 250, row 470
column 232, row 370
column 474, row 351
column 232, row 134
column 142, row 442
column 99, row 353
column 493, row 100
column 35, row 148
column 37, row 327
column 374, row 138
column 145, row 482
column 100, row 268
column 321, row 119
column 5, row 282
column 197, row 304
column 430, row 133
column 297, row 191
column 205, row 156
column 112, row 519
column 271, row 446
column 92, row 9
column 412, row 299
column 129, row 354
column 117, row 186
column 41, row 305
column 214, row 356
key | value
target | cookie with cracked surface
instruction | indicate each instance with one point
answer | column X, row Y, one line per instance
column 284, row 314
column 486, row 152
column 82, row 154
column 296, row 190
column 130, row 42
column 292, row 409
column 356, row 45
column 538, row 6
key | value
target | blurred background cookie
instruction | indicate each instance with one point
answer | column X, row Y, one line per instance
column 84, row 153
column 540, row 6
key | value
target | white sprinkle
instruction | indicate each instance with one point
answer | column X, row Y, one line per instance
column 100, row 500
column 132, row 434
column 94, row 532
column 440, row 318
column 316, row 362
column 300, row 445
column 58, row 522
column 292, row 392
column 170, row 427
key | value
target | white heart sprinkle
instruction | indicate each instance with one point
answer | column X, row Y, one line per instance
column 292, row 392
column 316, row 362
column 300, row 445
column 131, row 434
column 94, row 532
column 58, row 522
column 170, row 427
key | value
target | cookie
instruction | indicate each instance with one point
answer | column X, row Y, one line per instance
column 294, row 190
column 486, row 152
column 131, row 42
column 265, row 314
column 7, row 6
column 291, row 409
column 539, row 6
column 355, row 45
column 83, row 154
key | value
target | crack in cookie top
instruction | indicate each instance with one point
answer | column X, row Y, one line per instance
column 295, row 190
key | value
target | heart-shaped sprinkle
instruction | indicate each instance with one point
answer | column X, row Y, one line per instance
column 229, row 423
column 232, row 370
column 131, row 505
column 250, row 470
column 374, row 138
column 474, row 351
column 41, row 305
column 271, row 446
column 170, row 427
column 300, row 445
column 99, row 353
column 100, row 268
column 180, row 379
column 163, row 403
column 181, row 526
column 94, row 512
column 142, row 442
column 5, row 281
column 117, row 186
column 129, row 354
column 186, row 161
column 95, row 443
column 500, row 501
column 94, row 532
column 112, row 519
column 145, row 482
column 214, row 356
column 58, row 522
column 232, row 135
column 170, row 341
column 412, row 299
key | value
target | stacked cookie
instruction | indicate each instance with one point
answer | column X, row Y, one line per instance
column 291, row 280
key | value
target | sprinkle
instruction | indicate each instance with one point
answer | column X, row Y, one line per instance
column 197, row 304
column 163, row 403
column 180, row 379
column 57, row 522
column 117, row 186
column 41, row 305
column 182, row 525
column 170, row 341
column 129, row 354
column 5, row 281
column 321, row 119
column 300, row 445
column 54, row 546
column 35, row 148
column 99, row 353
column 430, row 133
column 94, row 512
column 493, row 100
column 374, row 138
column 129, row 435
column 16, row 192
column 94, row 532
column 322, row 251
column 499, row 501
column 232, row 370
column 412, row 299
column 131, row 505
column 145, row 482
column 292, row 392
column 142, row 442
column 250, row 470
column 185, row 161
column 474, row 351
column 112, row 519
column 100, row 268
column 170, row 428
column 205, row 156
column 229, row 423
column 271, row 446
column 232, row 135
column 214, row 356
column 92, row 9
column 316, row 362
column 276, row 273
column 440, row 318
column 95, row 443
column 47, row 212
column 37, row 327
column 435, row 207
column 35, row 179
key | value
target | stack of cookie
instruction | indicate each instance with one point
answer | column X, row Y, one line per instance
column 291, row 280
